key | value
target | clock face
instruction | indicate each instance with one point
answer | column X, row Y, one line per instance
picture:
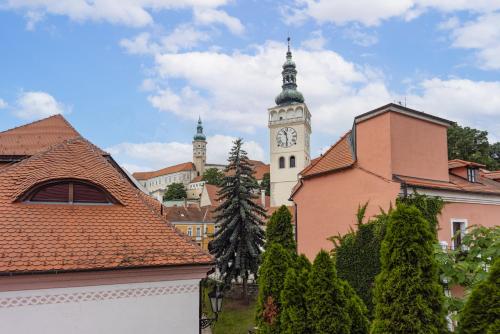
column 286, row 137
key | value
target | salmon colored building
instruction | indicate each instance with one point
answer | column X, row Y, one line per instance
column 389, row 152
column 82, row 248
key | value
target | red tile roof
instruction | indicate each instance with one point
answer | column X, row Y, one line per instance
column 492, row 175
column 337, row 157
column 457, row 163
column 63, row 237
column 35, row 137
column 260, row 170
column 186, row 166
column 190, row 213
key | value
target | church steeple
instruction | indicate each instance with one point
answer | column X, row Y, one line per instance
column 199, row 131
column 289, row 93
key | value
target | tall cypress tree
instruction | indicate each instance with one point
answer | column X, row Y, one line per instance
column 357, row 310
column 481, row 313
column 280, row 230
column 408, row 296
column 326, row 301
column 238, row 242
column 277, row 260
column 293, row 302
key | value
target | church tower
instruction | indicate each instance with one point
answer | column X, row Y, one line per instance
column 289, row 134
column 199, row 149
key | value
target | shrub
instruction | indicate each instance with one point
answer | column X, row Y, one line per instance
column 280, row 230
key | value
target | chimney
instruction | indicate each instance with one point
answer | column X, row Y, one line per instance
column 263, row 198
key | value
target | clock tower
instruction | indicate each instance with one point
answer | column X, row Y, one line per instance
column 290, row 132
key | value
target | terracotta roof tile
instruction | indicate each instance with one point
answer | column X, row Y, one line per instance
column 457, row 163
column 35, row 137
column 189, row 213
column 492, row 175
column 338, row 156
column 186, row 166
column 260, row 170
column 42, row 237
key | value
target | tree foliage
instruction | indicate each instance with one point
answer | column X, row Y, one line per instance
column 327, row 304
column 429, row 206
column 481, row 313
column 360, row 324
column 280, row 230
column 467, row 266
column 277, row 260
column 266, row 183
column 175, row 191
column 472, row 145
column 408, row 296
column 238, row 242
column 293, row 301
column 213, row 176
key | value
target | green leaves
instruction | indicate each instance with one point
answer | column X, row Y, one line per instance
column 175, row 191
column 280, row 230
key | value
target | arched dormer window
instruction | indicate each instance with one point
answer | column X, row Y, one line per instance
column 292, row 161
column 282, row 162
column 68, row 191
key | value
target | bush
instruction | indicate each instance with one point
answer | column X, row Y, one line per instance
column 356, row 310
column 326, row 302
column 408, row 296
column 280, row 230
column 481, row 313
column 175, row 191
column 294, row 307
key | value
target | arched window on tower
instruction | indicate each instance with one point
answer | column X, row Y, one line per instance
column 292, row 161
column 282, row 162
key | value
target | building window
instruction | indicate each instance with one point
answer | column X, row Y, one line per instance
column 190, row 231
column 68, row 191
column 458, row 229
column 198, row 231
column 292, row 161
column 282, row 162
column 471, row 174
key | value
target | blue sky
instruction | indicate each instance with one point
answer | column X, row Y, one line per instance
column 133, row 76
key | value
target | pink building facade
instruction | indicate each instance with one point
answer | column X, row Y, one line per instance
column 391, row 151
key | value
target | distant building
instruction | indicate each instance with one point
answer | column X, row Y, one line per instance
column 83, row 249
column 391, row 152
column 194, row 221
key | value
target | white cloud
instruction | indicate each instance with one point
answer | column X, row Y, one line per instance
column 32, row 18
column 482, row 34
column 135, row 13
column 471, row 103
column 316, row 42
column 237, row 88
column 155, row 155
column 360, row 37
column 34, row 105
column 372, row 13
column 208, row 16
column 3, row 104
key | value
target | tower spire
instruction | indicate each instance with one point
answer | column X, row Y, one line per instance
column 199, row 131
column 289, row 93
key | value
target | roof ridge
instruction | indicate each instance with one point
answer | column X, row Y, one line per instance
column 42, row 120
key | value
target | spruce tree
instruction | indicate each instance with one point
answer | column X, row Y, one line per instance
column 293, row 302
column 277, row 260
column 408, row 296
column 357, row 310
column 481, row 313
column 238, row 242
column 280, row 230
column 326, row 302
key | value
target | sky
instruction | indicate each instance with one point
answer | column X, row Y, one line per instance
column 133, row 76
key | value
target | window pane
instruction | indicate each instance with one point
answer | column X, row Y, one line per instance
column 292, row 161
column 58, row 192
column 84, row 193
column 282, row 162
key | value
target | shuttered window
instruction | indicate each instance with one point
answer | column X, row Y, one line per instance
column 69, row 192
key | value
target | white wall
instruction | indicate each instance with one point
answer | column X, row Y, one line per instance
column 137, row 308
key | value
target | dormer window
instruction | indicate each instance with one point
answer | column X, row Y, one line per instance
column 472, row 174
column 70, row 192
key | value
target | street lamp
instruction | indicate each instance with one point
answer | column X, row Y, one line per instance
column 215, row 297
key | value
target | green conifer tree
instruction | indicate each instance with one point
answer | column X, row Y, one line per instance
column 408, row 297
column 293, row 302
column 277, row 260
column 280, row 230
column 481, row 313
column 356, row 310
column 326, row 302
column 238, row 242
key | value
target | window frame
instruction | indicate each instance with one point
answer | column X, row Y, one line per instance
column 464, row 223
column 280, row 160
column 290, row 159
column 32, row 191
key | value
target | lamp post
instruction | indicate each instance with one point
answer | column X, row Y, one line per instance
column 215, row 297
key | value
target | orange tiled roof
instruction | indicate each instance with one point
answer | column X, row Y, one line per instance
column 197, row 179
column 456, row 183
column 338, row 156
column 457, row 163
column 212, row 192
column 35, row 137
column 492, row 175
column 186, row 166
column 188, row 213
column 47, row 237
column 260, row 170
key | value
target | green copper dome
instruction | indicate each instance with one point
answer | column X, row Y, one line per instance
column 289, row 93
column 199, row 131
